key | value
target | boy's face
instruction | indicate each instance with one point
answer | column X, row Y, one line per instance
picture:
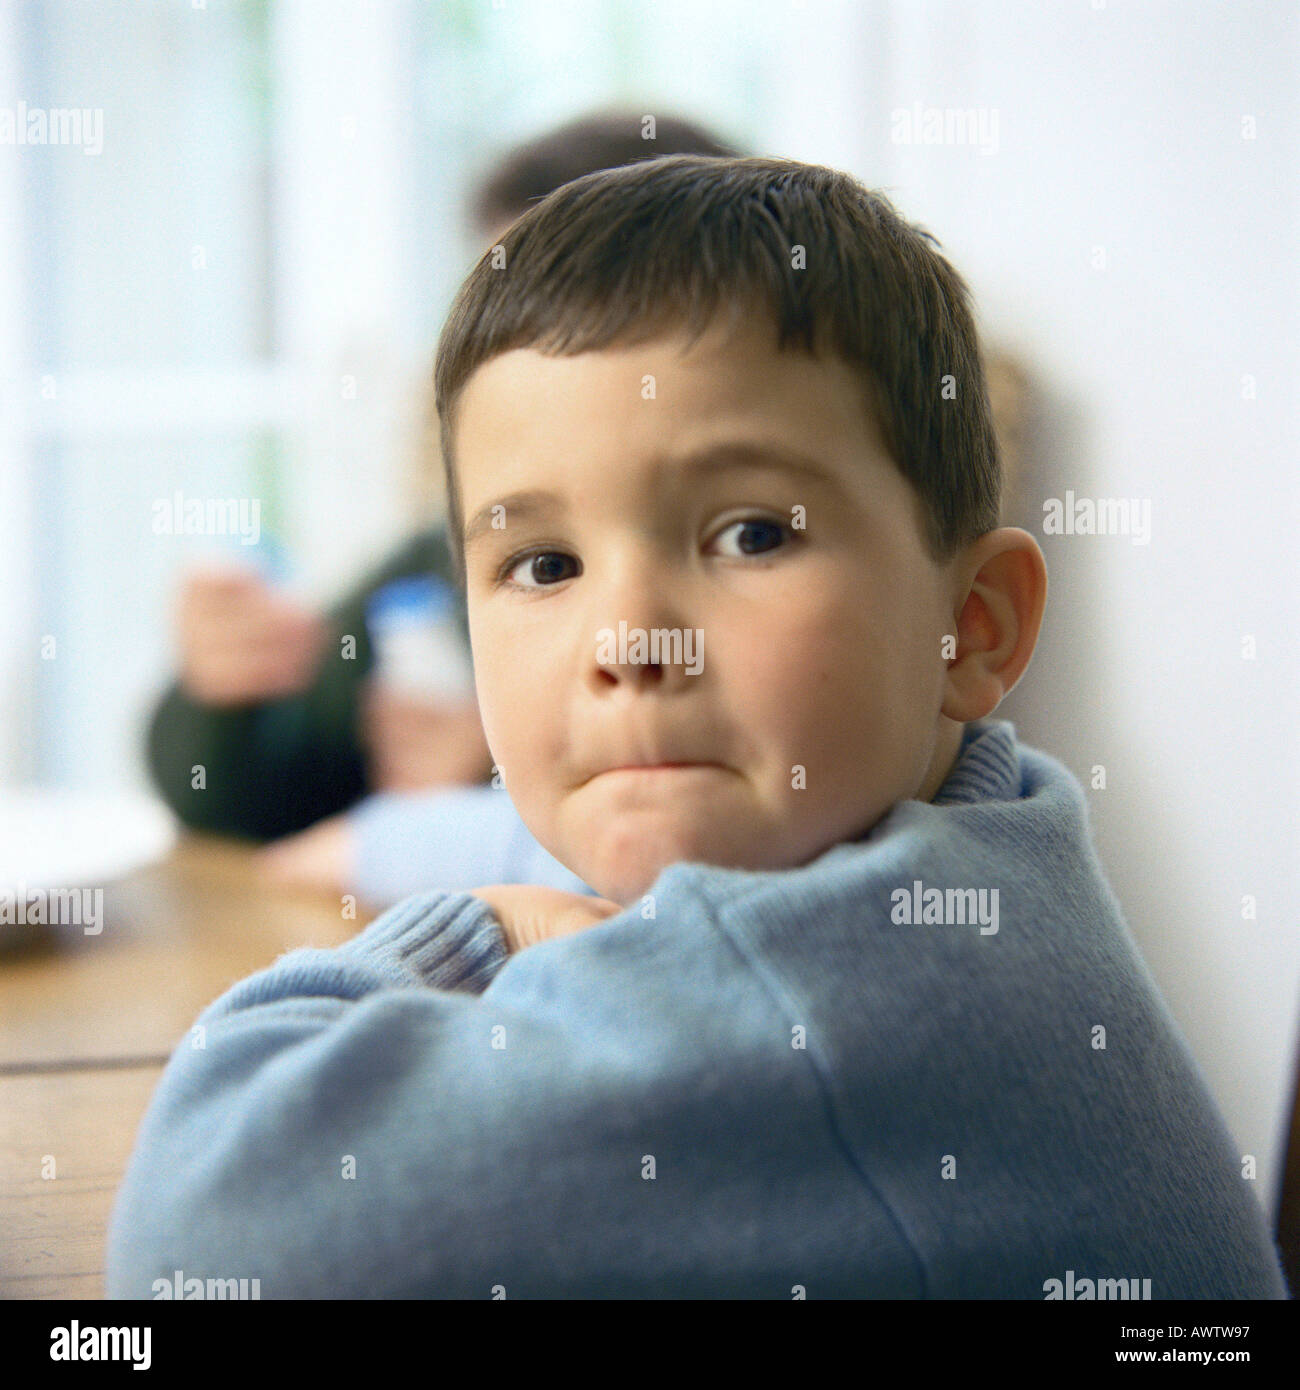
column 664, row 506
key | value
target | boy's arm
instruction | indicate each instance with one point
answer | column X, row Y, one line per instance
column 393, row 844
column 363, row 1122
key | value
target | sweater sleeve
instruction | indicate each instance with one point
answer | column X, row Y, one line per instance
column 274, row 768
column 415, row 1115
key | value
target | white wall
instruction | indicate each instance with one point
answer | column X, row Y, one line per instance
column 18, row 640
column 1120, row 126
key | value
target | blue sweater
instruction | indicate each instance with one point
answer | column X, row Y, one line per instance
column 781, row 1080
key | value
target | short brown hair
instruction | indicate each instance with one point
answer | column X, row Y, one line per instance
column 624, row 255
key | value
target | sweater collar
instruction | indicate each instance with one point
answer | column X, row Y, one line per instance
column 987, row 766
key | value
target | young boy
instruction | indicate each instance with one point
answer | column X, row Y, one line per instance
column 857, row 1015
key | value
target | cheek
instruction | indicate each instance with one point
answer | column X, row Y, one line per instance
column 496, row 680
column 519, row 715
column 797, row 683
column 822, row 683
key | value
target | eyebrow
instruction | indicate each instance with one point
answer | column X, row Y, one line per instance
column 535, row 503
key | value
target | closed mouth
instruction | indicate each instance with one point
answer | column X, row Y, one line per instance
column 637, row 767
column 652, row 767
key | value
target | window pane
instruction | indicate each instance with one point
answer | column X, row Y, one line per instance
column 152, row 248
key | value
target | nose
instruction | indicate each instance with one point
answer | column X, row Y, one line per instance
column 638, row 626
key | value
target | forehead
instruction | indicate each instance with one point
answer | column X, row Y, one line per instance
column 525, row 411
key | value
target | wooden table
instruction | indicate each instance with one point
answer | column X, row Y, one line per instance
column 86, row 1024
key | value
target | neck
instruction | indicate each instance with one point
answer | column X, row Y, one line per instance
column 946, row 748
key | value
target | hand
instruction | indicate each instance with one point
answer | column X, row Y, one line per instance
column 241, row 642
column 322, row 856
column 530, row 914
column 411, row 744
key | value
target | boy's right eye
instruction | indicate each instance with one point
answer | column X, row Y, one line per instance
column 541, row 566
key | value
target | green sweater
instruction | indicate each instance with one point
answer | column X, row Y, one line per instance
column 273, row 768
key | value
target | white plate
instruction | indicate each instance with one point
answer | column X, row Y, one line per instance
column 60, row 839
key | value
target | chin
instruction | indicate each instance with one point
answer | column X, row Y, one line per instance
column 633, row 877
column 625, row 880
column 623, row 889
column 622, row 859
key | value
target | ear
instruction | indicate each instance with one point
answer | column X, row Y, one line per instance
column 1001, row 591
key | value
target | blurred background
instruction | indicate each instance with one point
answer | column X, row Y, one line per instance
column 234, row 289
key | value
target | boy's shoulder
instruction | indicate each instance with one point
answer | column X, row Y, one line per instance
column 970, row 986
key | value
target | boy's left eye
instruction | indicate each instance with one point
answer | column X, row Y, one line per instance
column 757, row 534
